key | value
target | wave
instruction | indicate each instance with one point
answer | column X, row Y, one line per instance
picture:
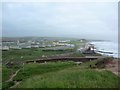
column 107, row 48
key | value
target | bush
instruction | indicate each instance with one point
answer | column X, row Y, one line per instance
column 101, row 63
column 22, row 75
column 6, row 85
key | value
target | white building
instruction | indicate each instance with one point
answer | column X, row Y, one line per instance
column 14, row 47
column 35, row 46
column 4, row 48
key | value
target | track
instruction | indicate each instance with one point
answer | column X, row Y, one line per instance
column 76, row 59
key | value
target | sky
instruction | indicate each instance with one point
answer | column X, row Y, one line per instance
column 90, row 20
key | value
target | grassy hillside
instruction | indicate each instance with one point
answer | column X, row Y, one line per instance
column 66, row 75
column 72, row 79
column 35, row 69
column 31, row 70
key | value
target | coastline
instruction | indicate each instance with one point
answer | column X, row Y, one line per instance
column 106, row 48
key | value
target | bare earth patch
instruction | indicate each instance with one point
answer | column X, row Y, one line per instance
column 114, row 66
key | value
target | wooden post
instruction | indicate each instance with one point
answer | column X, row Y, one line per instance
column 34, row 61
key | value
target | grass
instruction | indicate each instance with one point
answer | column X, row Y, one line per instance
column 77, row 45
column 36, row 69
column 6, row 85
column 77, row 54
column 66, row 75
column 27, row 54
column 72, row 79
column 6, row 72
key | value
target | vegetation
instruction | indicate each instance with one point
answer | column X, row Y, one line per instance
column 77, row 44
column 27, row 54
column 77, row 54
column 6, row 73
column 101, row 63
column 0, row 76
column 77, row 76
column 6, row 85
column 35, row 69
column 72, row 79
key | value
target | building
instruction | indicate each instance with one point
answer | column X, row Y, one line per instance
column 88, row 49
column 14, row 47
column 4, row 48
column 34, row 46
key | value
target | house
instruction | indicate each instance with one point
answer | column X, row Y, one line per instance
column 70, row 45
column 60, row 43
column 25, row 46
column 42, row 46
column 34, row 46
column 4, row 48
column 55, row 43
column 14, row 47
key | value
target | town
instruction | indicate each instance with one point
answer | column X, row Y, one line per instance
column 59, row 44
column 20, row 44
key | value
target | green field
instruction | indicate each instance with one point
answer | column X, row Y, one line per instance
column 27, row 54
column 65, row 75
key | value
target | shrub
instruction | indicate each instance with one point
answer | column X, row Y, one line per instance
column 101, row 63
column 6, row 85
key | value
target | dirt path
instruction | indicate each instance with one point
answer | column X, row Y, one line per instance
column 16, row 83
column 13, row 75
column 11, row 79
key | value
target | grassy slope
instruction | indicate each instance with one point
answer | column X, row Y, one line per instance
column 36, row 69
column 74, row 77
column 30, row 70
column 6, row 74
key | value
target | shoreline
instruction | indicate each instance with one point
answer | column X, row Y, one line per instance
column 106, row 49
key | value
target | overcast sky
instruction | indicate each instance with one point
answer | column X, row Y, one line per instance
column 66, row 19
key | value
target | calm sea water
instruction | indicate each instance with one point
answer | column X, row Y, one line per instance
column 107, row 48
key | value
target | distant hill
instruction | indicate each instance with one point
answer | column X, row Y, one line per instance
column 35, row 38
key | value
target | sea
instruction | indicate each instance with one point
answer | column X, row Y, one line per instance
column 107, row 48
